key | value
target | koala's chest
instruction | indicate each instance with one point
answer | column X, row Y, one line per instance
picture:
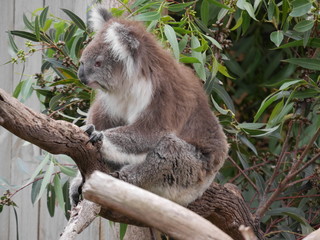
column 130, row 106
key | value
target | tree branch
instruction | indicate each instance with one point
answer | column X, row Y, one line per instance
column 223, row 206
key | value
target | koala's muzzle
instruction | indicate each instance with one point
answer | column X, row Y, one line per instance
column 81, row 74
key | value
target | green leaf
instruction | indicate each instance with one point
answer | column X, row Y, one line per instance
column 37, row 28
column 266, row 103
column 238, row 23
column 69, row 33
column 179, row 7
column 68, row 171
column 148, row 16
column 58, row 190
column 12, row 43
column 246, row 142
column 204, row 11
column 308, row 63
column 213, row 41
column 223, row 70
column 26, row 35
column 35, row 190
column 219, row 4
column 219, row 109
column 244, row 5
column 123, row 229
column 300, row 8
column 303, row 26
column 290, row 83
column 276, row 37
column 276, row 110
column 77, row 20
column 45, row 181
column 313, row 42
column 27, row 23
column 172, row 38
column 189, row 60
column 199, row 67
column 43, row 16
column 51, row 197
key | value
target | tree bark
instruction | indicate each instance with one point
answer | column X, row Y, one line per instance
column 223, row 206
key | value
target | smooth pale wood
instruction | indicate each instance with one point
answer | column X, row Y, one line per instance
column 150, row 209
column 313, row 236
column 82, row 216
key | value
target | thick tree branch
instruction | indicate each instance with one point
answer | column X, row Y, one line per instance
column 223, row 206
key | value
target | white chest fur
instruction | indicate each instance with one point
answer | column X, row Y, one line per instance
column 130, row 103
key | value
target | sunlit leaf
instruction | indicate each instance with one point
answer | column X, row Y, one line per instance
column 172, row 38
column 276, row 37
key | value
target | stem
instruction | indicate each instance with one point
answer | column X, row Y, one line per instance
column 244, row 174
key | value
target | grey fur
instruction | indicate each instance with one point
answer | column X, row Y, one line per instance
column 158, row 130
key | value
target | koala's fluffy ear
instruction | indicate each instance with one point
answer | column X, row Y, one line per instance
column 123, row 43
column 98, row 16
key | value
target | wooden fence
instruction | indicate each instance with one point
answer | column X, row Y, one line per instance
column 18, row 159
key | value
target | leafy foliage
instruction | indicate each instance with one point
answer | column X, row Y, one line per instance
column 259, row 62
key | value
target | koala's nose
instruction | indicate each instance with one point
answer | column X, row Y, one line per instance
column 81, row 74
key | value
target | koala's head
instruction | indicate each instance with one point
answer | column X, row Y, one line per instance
column 109, row 61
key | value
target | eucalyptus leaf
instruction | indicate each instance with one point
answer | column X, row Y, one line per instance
column 303, row 26
column 300, row 7
column 77, row 20
column 45, row 181
column 172, row 38
column 276, row 37
column 308, row 63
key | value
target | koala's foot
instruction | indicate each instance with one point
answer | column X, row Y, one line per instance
column 95, row 136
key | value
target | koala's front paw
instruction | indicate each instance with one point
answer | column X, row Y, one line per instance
column 95, row 136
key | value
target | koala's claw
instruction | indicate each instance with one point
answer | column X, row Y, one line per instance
column 89, row 129
column 94, row 136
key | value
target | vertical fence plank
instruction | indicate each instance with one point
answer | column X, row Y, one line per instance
column 6, row 12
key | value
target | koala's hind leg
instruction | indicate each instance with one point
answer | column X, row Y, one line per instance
column 174, row 170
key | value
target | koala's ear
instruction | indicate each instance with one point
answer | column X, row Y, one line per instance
column 98, row 16
column 124, row 44
column 122, row 39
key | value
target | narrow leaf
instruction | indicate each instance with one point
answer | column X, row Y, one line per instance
column 204, row 12
column 308, row 63
column 148, row 16
column 51, row 200
column 12, row 43
column 303, row 26
column 26, row 35
column 37, row 28
column 45, row 181
column 219, row 4
column 172, row 38
column 28, row 23
column 77, row 20
column 43, row 16
column 58, row 190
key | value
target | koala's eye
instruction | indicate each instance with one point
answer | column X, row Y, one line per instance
column 97, row 64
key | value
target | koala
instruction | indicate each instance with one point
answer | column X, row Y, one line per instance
column 151, row 114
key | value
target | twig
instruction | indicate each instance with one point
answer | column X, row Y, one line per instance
column 244, row 174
